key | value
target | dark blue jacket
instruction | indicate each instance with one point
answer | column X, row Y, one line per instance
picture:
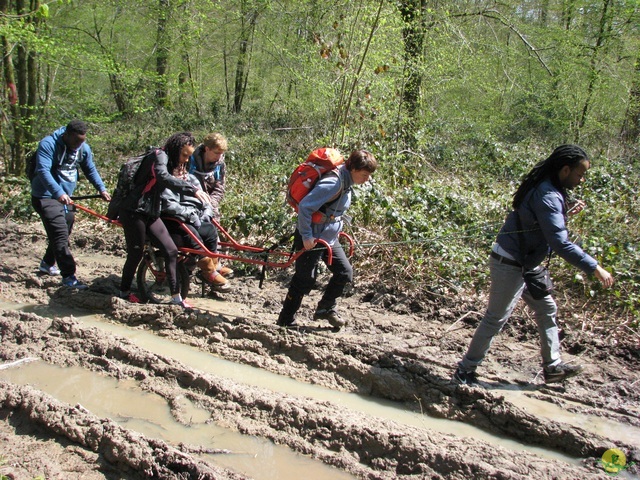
column 543, row 220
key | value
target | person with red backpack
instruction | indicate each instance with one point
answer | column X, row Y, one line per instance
column 331, row 196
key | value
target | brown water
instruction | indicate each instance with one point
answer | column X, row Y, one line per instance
column 126, row 403
column 255, row 457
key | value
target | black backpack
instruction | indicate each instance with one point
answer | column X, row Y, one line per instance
column 30, row 164
column 126, row 182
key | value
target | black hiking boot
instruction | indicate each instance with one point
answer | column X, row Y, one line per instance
column 330, row 315
column 561, row 372
column 286, row 322
column 290, row 306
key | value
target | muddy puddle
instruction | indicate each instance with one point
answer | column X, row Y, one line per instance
column 592, row 423
column 39, row 373
column 124, row 402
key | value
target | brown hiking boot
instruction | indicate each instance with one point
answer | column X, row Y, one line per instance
column 225, row 271
column 217, row 282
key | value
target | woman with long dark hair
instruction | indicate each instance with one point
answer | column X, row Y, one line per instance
column 533, row 229
column 140, row 211
column 195, row 215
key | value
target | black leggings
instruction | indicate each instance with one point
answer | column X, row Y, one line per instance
column 136, row 227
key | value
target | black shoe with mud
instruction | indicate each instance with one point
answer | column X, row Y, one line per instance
column 331, row 316
column 462, row 377
column 561, row 372
column 291, row 324
column 287, row 321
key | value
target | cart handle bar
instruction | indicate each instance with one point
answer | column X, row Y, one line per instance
column 86, row 197
column 204, row 250
column 209, row 253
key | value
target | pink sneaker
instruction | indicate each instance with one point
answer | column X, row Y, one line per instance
column 133, row 298
column 183, row 303
column 130, row 297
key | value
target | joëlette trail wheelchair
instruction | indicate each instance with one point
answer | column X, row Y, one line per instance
column 151, row 278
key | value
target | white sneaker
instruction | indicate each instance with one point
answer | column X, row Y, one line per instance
column 49, row 269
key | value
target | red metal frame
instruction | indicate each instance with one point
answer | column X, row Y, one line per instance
column 232, row 244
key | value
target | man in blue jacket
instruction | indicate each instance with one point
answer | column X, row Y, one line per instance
column 58, row 158
column 533, row 229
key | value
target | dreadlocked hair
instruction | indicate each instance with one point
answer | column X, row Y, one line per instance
column 569, row 155
column 173, row 147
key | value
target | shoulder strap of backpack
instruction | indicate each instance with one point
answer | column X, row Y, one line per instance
column 340, row 193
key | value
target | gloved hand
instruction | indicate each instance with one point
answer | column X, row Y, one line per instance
column 195, row 221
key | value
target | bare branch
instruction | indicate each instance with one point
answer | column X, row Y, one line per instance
column 496, row 15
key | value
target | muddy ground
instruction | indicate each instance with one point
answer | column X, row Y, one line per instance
column 395, row 347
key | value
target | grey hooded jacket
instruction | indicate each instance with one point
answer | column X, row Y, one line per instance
column 543, row 221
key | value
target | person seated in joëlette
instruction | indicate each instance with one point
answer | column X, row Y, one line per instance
column 196, row 216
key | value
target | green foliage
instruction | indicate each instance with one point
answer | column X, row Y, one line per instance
column 15, row 198
column 499, row 86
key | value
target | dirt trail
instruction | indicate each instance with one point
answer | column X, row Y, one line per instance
column 396, row 347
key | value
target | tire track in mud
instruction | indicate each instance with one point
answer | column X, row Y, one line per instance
column 120, row 451
column 387, row 352
column 326, row 359
column 362, row 445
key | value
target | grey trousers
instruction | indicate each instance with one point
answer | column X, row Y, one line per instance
column 507, row 286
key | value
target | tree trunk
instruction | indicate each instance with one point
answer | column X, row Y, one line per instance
column 190, row 77
column 242, row 67
column 13, row 158
column 162, row 53
column 603, row 32
column 568, row 8
column 544, row 12
column 21, row 80
column 413, row 13
column 32, row 81
column 631, row 127
column 348, row 91
column 15, row 81
column 119, row 93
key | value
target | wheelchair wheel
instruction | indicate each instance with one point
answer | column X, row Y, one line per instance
column 153, row 284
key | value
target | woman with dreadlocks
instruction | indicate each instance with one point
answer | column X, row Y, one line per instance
column 140, row 211
column 533, row 229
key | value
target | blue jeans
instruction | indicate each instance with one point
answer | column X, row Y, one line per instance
column 507, row 286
